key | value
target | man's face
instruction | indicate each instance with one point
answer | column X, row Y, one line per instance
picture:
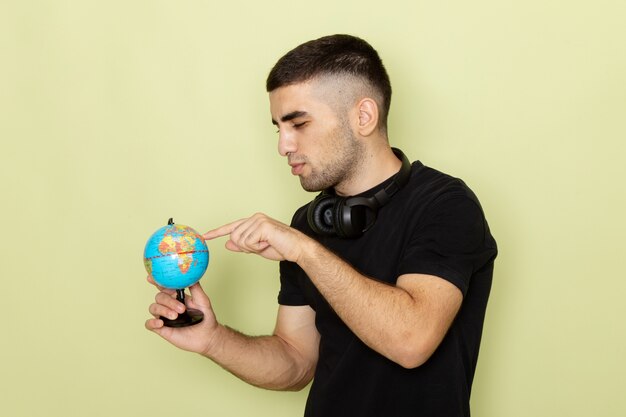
column 315, row 134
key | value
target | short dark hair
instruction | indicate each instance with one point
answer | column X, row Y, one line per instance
column 334, row 55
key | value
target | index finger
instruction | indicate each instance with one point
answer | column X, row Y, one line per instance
column 223, row 230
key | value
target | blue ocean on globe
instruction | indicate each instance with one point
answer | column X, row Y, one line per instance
column 176, row 256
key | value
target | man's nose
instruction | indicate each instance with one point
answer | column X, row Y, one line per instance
column 286, row 144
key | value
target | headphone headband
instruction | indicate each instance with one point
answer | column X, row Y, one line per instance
column 399, row 180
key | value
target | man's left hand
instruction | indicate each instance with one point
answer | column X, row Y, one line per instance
column 262, row 235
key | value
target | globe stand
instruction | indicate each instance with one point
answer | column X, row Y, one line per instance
column 190, row 317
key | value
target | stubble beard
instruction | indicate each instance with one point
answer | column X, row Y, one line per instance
column 341, row 165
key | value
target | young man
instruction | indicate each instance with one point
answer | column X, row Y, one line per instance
column 385, row 276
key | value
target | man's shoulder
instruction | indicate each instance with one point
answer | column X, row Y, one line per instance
column 428, row 185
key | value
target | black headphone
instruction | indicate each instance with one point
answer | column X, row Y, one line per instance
column 346, row 217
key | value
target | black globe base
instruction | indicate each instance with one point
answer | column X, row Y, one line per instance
column 190, row 317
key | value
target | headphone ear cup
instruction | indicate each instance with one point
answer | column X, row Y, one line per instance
column 320, row 214
column 349, row 219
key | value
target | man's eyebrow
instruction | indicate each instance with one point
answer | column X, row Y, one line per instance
column 290, row 116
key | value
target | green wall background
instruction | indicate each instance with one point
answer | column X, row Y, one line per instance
column 116, row 115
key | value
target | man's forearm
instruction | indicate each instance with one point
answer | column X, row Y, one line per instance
column 264, row 361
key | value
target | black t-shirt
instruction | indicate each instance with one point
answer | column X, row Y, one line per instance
column 434, row 225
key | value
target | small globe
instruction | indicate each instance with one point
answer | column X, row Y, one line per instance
column 176, row 256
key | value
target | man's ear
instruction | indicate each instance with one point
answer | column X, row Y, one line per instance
column 368, row 116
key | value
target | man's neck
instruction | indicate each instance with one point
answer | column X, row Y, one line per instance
column 378, row 165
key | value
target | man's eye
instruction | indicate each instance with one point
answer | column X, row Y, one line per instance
column 295, row 126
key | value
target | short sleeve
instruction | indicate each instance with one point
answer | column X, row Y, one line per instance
column 290, row 292
column 449, row 242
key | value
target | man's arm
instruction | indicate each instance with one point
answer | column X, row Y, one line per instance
column 283, row 361
column 405, row 322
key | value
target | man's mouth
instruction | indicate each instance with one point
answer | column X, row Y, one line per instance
column 296, row 168
column 296, row 164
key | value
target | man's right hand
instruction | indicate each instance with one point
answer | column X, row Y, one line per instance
column 196, row 338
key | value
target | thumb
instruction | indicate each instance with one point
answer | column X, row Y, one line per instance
column 199, row 297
